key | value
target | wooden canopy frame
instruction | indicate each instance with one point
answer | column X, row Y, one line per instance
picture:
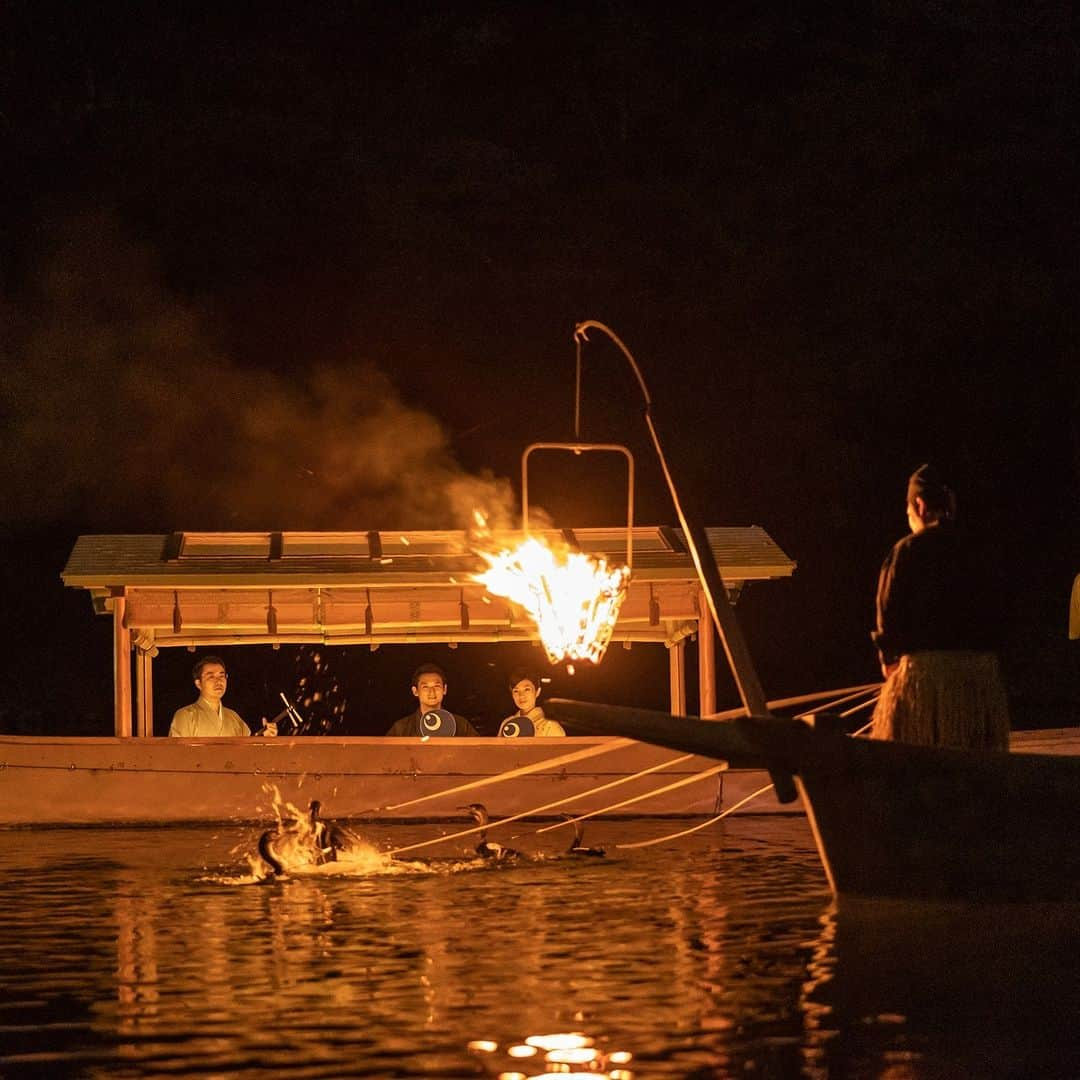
column 198, row 589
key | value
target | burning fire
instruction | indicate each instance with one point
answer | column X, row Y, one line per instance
column 573, row 598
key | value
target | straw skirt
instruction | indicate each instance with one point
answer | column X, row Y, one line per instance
column 952, row 698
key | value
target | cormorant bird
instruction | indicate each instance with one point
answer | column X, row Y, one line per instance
column 493, row 851
column 326, row 839
column 267, row 853
column 329, row 839
column 577, row 846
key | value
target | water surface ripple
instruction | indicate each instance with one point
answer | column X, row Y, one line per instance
column 132, row 953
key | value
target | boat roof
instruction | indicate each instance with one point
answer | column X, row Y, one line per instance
column 201, row 587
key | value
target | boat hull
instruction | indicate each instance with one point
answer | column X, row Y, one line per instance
column 896, row 820
column 912, row 821
column 121, row 781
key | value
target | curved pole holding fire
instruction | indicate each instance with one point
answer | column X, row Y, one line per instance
column 712, row 584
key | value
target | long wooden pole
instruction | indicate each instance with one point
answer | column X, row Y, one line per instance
column 712, row 584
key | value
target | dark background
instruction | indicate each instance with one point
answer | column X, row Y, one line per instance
column 318, row 266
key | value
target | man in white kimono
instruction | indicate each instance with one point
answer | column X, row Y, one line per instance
column 208, row 717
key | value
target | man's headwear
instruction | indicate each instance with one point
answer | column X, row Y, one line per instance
column 926, row 483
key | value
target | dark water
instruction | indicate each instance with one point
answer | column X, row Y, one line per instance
column 155, row 953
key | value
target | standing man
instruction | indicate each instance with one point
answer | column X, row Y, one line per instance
column 429, row 688
column 938, row 613
column 207, row 717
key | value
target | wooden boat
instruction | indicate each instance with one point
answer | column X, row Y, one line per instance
column 896, row 820
column 204, row 590
column 86, row 781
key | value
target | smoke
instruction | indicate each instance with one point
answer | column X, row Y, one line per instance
column 123, row 413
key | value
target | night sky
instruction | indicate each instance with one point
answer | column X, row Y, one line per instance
column 312, row 266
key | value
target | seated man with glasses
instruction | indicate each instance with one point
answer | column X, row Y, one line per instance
column 207, row 717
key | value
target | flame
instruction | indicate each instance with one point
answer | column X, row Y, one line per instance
column 573, row 598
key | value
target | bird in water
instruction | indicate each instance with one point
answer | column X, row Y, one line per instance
column 485, row 849
column 577, row 845
column 316, row 839
column 266, row 851
column 329, row 839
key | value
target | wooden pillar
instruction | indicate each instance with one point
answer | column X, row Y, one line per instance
column 121, row 671
column 144, row 694
column 706, row 667
column 677, row 667
column 731, row 637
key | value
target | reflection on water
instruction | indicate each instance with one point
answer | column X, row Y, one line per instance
column 150, row 952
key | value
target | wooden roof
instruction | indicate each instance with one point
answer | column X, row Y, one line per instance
column 197, row 587
column 372, row 558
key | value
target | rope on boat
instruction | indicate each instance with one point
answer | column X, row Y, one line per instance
column 801, row 699
column 722, row 767
column 700, row 825
column 589, row 752
column 862, row 705
column 858, row 691
column 873, row 689
column 730, row 809
column 512, row 774
column 570, row 798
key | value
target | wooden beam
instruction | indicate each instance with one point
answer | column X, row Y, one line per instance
column 243, row 610
column 672, row 539
column 174, row 544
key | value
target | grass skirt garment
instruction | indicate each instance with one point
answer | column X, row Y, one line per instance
column 948, row 698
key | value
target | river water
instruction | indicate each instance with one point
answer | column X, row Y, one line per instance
column 132, row 953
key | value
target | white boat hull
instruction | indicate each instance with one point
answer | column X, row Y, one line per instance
column 112, row 781
column 125, row 781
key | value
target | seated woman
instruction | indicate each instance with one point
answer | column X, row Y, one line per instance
column 529, row 718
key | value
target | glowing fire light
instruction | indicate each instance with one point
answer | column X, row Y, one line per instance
column 521, row 1051
column 561, row 1041
column 573, row 598
column 573, row 1055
